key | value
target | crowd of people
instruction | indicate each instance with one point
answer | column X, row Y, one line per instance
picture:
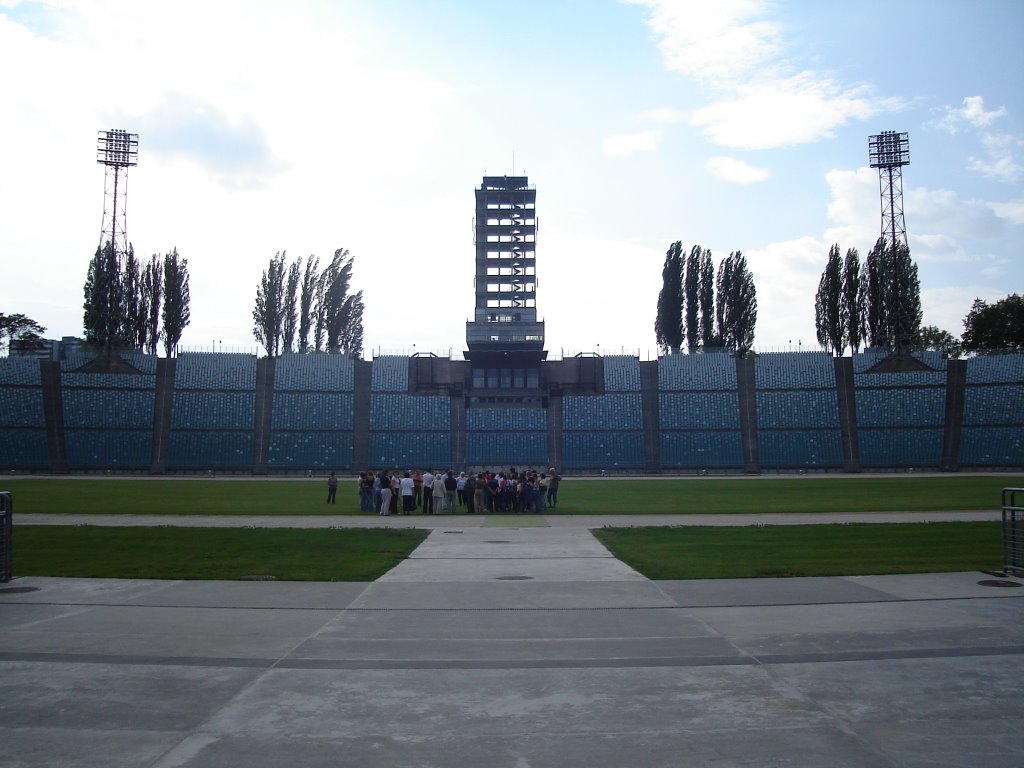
column 434, row 493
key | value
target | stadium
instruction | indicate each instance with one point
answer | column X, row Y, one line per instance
column 505, row 403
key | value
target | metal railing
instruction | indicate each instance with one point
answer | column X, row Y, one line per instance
column 1013, row 531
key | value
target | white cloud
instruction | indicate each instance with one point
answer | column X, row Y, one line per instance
column 735, row 171
column 759, row 101
column 628, row 144
column 663, row 115
column 972, row 113
column 781, row 112
column 712, row 41
column 1012, row 210
column 1002, row 158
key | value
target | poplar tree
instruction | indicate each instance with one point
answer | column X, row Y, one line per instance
column 830, row 319
column 737, row 304
column 668, row 324
column 853, row 300
column 706, row 299
column 691, row 292
column 176, row 311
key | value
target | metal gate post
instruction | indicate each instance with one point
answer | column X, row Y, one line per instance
column 6, row 530
column 1013, row 530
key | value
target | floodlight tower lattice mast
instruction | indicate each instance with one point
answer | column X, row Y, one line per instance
column 889, row 151
column 116, row 150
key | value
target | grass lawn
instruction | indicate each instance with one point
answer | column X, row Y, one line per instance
column 183, row 497
column 806, row 550
column 210, row 553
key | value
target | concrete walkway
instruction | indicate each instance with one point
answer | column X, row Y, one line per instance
column 499, row 645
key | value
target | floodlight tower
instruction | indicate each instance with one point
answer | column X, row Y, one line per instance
column 117, row 150
column 889, row 151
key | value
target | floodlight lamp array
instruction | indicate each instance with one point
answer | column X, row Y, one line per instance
column 117, row 148
column 889, row 149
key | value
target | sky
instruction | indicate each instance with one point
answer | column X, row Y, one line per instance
column 309, row 126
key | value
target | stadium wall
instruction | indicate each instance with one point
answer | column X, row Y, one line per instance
column 682, row 414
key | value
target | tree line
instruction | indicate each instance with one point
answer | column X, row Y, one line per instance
column 133, row 304
column 703, row 309
column 877, row 303
column 301, row 308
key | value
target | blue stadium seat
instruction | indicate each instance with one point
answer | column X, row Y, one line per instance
column 701, row 450
column 504, row 449
column 103, row 448
column 312, row 411
column 995, row 369
column 316, row 372
column 779, row 409
column 209, row 449
column 20, row 370
column 994, row 404
column 405, row 412
column 603, row 450
column 111, row 409
column 621, row 373
column 797, row 448
column 715, row 370
column 410, row 450
column 699, row 410
column 305, row 450
column 390, row 374
column 24, row 448
column 213, row 410
column 901, row 447
column 992, row 447
column 795, row 370
column 209, row 370
column 21, row 407
column 615, row 411
column 906, row 407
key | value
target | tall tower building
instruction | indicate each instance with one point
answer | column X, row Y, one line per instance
column 505, row 339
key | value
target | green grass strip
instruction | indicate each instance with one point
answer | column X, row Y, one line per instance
column 285, row 554
column 190, row 496
column 806, row 550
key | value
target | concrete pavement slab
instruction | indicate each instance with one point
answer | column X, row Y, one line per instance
column 803, row 591
column 520, row 673
column 159, row 631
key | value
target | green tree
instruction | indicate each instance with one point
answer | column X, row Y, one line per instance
column 176, row 312
column 19, row 328
column 268, row 314
column 104, row 313
column 830, row 319
column 997, row 327
column 691, row 292
column 135, row 309
column 933, row 338
column 737, row 304
column 668, row 324
column 706, row 300
column 342, row 312
column 853, row 300
column 152, row 292
column 290, row 319
column 893, row 297
column 307, row 300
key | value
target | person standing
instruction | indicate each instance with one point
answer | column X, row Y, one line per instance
column 408, row 494
column 461, row 490
column 480, row 494
column 469, row 493
column 385, row 494
column 437, row 496
column 428, row 492
column 451, row 487
column 553, row 483
column 332, row 488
